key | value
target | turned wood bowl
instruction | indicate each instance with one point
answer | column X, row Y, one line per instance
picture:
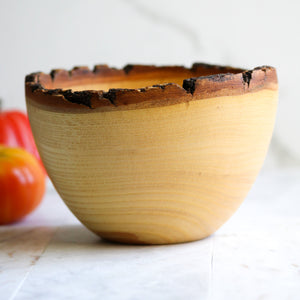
column 153, row 155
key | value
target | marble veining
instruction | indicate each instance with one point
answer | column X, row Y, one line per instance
column 255, row 255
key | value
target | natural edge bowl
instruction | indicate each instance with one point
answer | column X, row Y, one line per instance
column 153, row 155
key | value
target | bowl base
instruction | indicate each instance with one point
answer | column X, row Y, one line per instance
column 132, row 239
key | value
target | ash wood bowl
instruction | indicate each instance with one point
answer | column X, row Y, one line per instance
column 153, row 155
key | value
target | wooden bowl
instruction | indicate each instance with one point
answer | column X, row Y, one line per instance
column 153, row 155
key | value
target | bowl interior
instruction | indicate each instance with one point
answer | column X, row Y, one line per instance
column 104, row 78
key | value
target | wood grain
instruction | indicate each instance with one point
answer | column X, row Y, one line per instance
column 157, row 175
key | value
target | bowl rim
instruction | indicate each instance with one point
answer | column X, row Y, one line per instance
column 226, row 81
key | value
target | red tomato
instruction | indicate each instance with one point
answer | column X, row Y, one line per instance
column 15, row 131
column 22, row 184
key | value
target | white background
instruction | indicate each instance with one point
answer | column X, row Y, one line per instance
column 41, row 35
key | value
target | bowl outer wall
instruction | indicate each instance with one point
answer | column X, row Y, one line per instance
column 156, row 175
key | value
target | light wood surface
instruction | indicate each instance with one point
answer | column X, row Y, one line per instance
column 156, row 175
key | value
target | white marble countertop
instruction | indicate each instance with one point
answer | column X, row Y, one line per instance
column 255, row 255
